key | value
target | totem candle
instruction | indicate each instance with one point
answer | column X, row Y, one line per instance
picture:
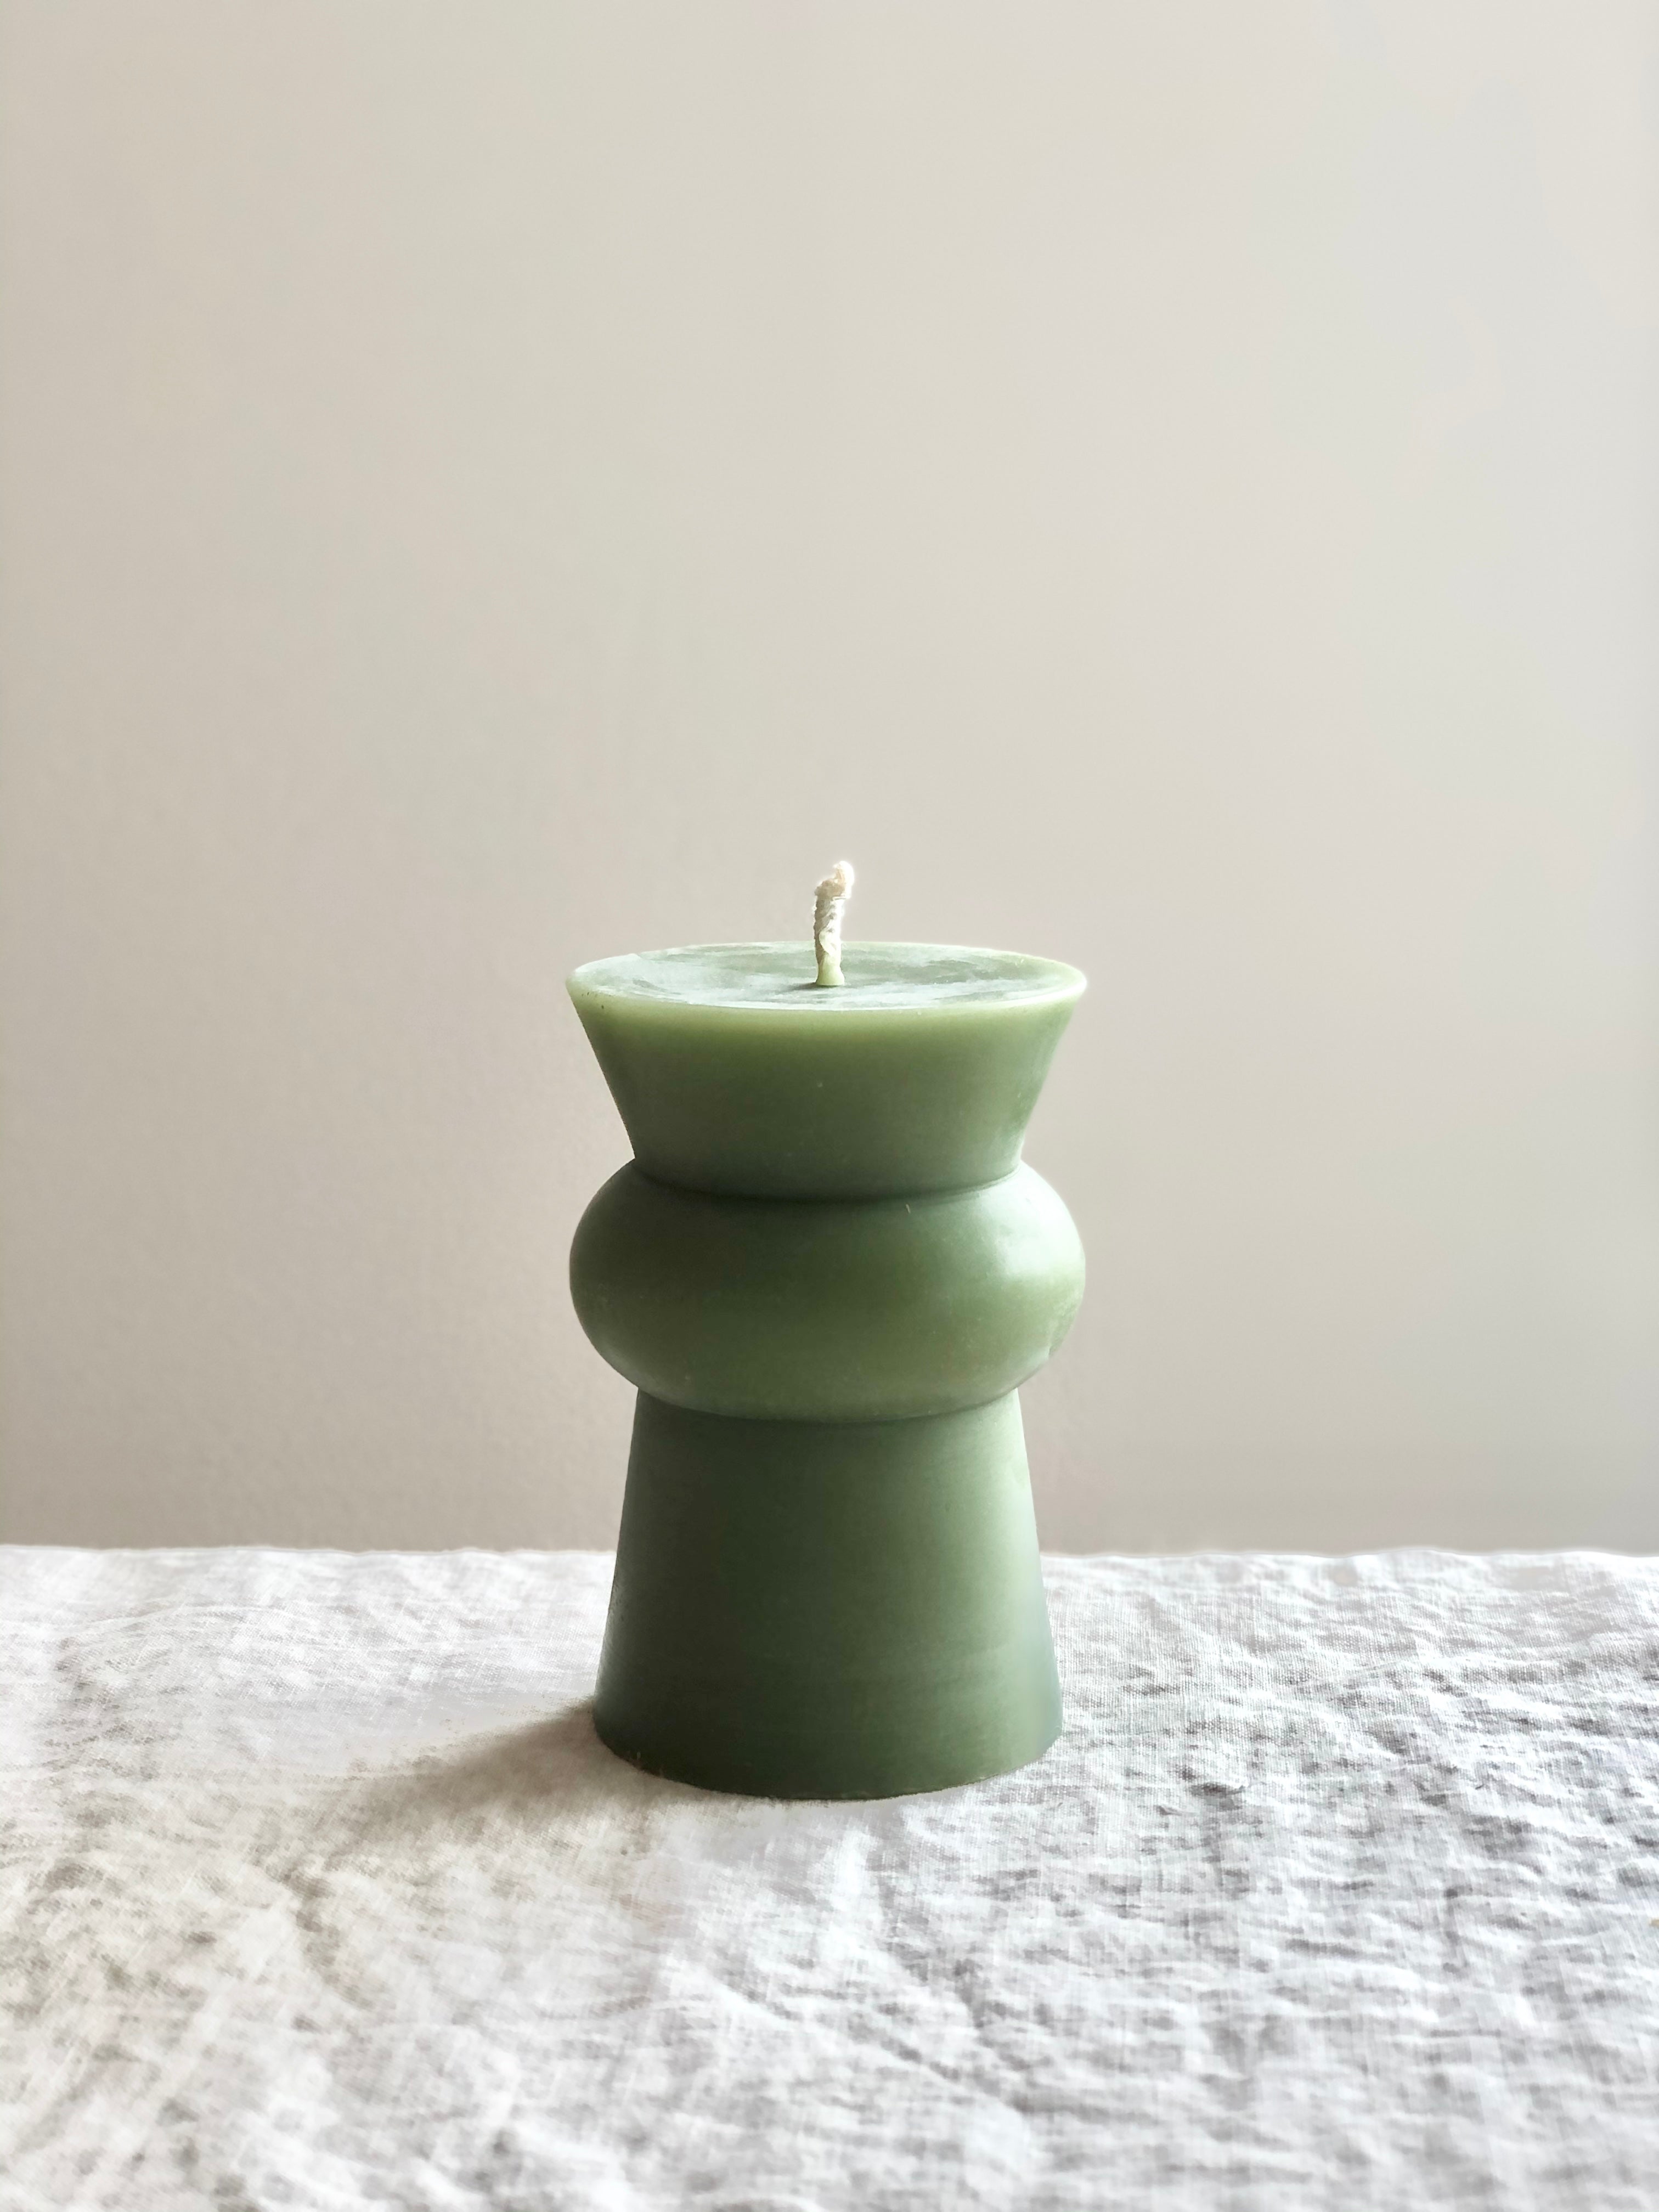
column 826, row 1271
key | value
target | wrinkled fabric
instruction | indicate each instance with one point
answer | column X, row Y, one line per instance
column 1341, row 1889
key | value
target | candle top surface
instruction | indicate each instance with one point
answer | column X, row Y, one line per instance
column 781, row 978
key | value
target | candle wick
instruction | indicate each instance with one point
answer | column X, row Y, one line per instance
column 833, row 894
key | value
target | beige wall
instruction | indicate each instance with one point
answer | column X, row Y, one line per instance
column 1170, row 487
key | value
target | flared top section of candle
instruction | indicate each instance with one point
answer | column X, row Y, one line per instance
column 735, row 1071
column 781, row 977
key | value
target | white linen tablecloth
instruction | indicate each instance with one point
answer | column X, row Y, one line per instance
column 1341, row 1889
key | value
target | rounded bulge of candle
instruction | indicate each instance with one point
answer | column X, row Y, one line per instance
column 862, row 1311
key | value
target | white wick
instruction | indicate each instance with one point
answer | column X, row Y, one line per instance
column 833, row 894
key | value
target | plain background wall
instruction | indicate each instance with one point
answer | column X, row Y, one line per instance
column 1170, row 487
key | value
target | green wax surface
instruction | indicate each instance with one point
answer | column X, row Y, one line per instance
column 874, row 1310
column 734, row 1071
column 808, row 1609
column 782, row 978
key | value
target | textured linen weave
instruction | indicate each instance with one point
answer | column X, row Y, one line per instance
column 1341, row 1889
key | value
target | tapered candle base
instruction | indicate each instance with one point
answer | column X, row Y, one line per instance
column 828, row 1609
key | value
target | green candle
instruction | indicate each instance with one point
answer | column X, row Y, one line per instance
column 826, row 1272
